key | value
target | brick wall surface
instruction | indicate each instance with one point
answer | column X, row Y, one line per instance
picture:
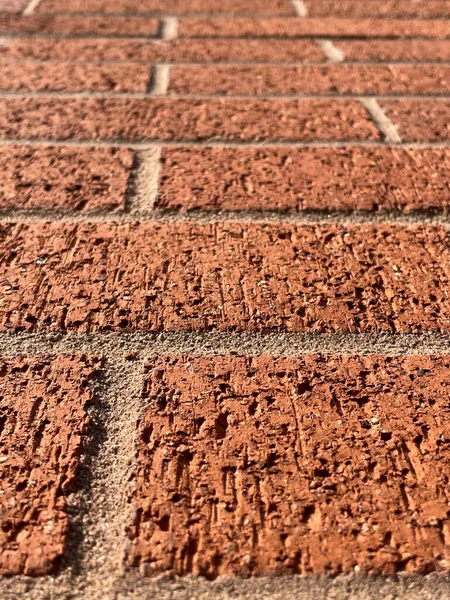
column 224, row 305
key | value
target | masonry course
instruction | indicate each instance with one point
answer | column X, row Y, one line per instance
column 177, row 51
column 224, row 276
column 179, row 119
column 236, row 7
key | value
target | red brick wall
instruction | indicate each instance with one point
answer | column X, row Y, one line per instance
column 224, row 317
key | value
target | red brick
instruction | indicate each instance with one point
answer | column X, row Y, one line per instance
column 389, row 50
column 342, row 79
column 64, row 178
column 304, row 179
column 44, row 427
column 157, row 50
column 178, row 119
column 377, row 8
column 248, row 277
column 78, row 25
column 13, row 6
column 390, row 28
column 281, row 7
column 262, row 465
column 71, row 77
column 420, row 120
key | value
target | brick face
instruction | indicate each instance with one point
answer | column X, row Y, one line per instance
column 342, row 79
column 12, row 6
column 74, row 78
column 326, row 27
column 238, row 7
column 378, row 8
column 185, row 50
column 234, row 276
column 251, row 465
column 80, row 179
column 79, row 25
column 178, row 119
column 304, row 178
column 386, row 50
column 420, row 120
column 44, row 429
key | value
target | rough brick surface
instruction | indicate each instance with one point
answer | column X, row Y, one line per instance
column 185, row 173
column 74, row 77
column 305, row 178
column 178, row 119
column 12, row 6
column 391, row 50
column 250, row 465
column 157, row 50
column 390, row 28
column 79, row 25
column 44, row 427
column 64, row 178
column 176, row 276
column 282, row 7
column 420, row 120
column 333, row 79
column 377, row 8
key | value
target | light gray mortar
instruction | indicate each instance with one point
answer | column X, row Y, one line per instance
column 213, row 143
column 145, row 182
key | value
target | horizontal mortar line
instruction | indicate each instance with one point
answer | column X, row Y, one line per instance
column 172, row 96
column 222, row 63
column 306, row 217
column 216, row 143
column 213, row 343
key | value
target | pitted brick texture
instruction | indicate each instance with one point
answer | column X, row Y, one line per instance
column 378, row 8
column 157, row 50
column 79, row 25
column 251, row 465
column 178, row 119
column 64, row 178
column 117, row 117
column 43, row 409
column 420, row 120
column 149, row 276
column 326, row 27
column 392, row 50
column 71, row 77
column 304, row 178
column 333, row 79
column 282, row 7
